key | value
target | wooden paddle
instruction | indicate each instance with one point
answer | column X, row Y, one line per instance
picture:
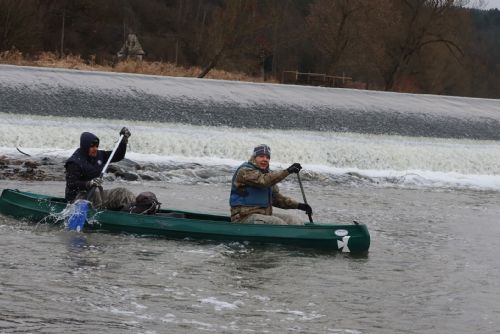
column 304, row 197
column 78, row 217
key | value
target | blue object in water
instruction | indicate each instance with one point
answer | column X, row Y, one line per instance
column 77, row 219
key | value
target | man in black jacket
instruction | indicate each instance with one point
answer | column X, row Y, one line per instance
column 84, row 167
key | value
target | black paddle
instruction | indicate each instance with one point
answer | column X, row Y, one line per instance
column 304, row 197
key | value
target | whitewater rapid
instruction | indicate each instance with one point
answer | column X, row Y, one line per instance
column 379, row 159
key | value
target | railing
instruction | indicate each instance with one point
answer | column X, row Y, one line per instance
column 314, row 79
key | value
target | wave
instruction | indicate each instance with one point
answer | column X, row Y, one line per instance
column 187, row 153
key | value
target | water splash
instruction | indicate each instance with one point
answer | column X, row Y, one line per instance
column 62, row 217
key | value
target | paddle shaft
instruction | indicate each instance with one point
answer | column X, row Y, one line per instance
column 92, row 189
column 304, row 197
column 111, row 156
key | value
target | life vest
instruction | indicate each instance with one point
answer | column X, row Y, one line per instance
column 249, row 195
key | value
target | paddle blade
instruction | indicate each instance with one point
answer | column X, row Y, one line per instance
column 77, row 218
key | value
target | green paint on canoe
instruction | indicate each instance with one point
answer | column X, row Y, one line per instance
column 46, row 209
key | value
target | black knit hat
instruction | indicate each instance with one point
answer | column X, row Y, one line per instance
column 262, row 149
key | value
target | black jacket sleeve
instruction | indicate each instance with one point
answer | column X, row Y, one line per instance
column 119, row 154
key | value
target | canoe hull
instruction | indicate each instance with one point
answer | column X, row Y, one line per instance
column 46, row 209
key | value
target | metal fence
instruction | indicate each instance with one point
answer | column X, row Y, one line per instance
column 314, row 79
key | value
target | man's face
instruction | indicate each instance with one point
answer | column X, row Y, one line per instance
column 93, row 150
column 262, row 161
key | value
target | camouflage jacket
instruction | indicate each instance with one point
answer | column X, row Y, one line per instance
column 258, row 178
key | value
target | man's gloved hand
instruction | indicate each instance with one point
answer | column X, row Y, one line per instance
column 305, row 207
column 95, row 182
column 295, row 168
column 125, row 132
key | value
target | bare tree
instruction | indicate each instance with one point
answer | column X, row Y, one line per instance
column 18, row 25
column 412, row 26
column 332, row 26
column 231, row 27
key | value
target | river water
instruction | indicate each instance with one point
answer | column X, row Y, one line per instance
column 431, row 206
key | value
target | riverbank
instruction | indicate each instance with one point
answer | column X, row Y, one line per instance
column 76, row 62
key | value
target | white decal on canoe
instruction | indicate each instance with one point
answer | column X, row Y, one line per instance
column 341, row 233
column 343, row 244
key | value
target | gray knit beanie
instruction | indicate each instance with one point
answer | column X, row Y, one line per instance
column 262, row 149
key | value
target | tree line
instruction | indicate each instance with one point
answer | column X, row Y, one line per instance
column 422, row 46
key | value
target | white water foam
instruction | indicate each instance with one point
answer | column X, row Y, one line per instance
column 431, row 162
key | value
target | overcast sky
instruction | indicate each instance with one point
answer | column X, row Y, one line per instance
column 485, row 4
column 493, row 4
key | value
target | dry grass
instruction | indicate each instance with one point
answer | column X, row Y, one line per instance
column 49, row 59
column 13, row 57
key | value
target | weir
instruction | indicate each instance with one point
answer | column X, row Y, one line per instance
column 191, row 130
column 69, row 93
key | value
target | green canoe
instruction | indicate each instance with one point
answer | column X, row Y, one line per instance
column 182, row 224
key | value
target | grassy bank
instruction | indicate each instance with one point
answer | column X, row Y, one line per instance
column 49, row 59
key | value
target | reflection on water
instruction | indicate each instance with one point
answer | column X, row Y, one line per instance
column 77, row 242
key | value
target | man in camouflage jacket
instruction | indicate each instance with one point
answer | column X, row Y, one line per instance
column 254, row 191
